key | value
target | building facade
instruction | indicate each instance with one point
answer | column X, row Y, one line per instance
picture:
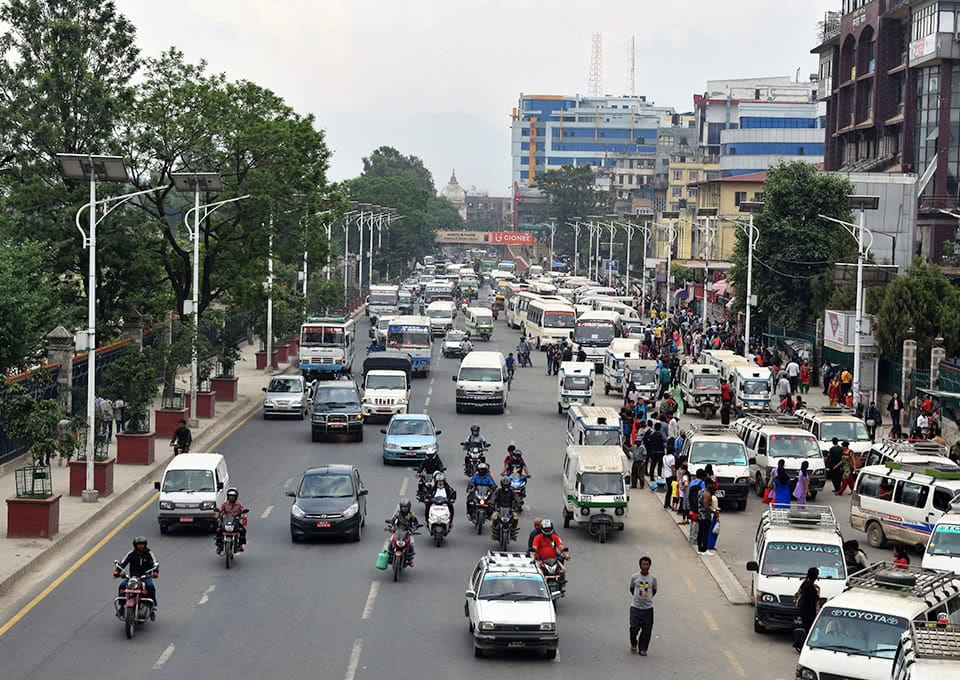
column 456, row 194
column 488, row 213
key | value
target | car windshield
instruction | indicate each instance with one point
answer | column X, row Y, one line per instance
column 386, row 382
column 336, row 396
column 383, row 323
column 439, row 313
column 793, row 559
column 558, row 320
column 401, row 426
column 576, row 382
column 408, row 337
column 317, row 336
column 755, row 386
column 286, row 385
column 794, row 446
column 477, row 374
column 844, row 430
column 383, row 298
column 718, row 453
column 455, row 337
column 945, row 540
column 513, row 587
column 856, row 631
column 594, row 331
column 326, row 486
column 601, row 484
column 598, row 437
column 188, row 480
column 706, row 382
column 645, row 376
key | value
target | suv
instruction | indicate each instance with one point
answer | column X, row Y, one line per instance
column 719, row 446
column 510, row 606
column 336, row 410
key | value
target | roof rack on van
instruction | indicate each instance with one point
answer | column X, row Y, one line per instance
column 913, row 579
column 941, row 472
column 711, row 428
column 508, row 559
column 936, row 640
column 811, row 516
column 774, row 419
column 924, row 447
column 835, row 411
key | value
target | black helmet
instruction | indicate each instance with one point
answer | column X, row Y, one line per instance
column 483, row 468
column 404, row 505
column 546, row 527
column 504, row 482
column 474, row 430
column 140, row 540
column 515, row 452
column 232, row 491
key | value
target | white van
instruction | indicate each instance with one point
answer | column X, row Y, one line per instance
column 549, row 322
column 594, row 426
column 595, row 482
column 644, row 375
column 575, row 385
column 720, row 447
column 715, row 357
column 194, row 485
column 914, row 453
column 943, row 548
column 788, row 542
column 928, row 652
column 902, row 503
column 700, row 388
column 771, row 438
column 626, row 312
column 828, row 423
column 620, row 350
column 751, row 387
column 857, row 633
column 478, row 321
column 482, row 382
column 441, row 314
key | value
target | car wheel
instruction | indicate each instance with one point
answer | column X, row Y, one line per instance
column 294, row 538
column 266, row 416
column 314, row 436
column 477, row 652
column 759, row 627
column 550, row 653
column 360, row 436
column 302, row 415
column 758, row 485
column 875, row 536
column 164, row 528
column 567, row 516
column 742, row 505
column 358, row 534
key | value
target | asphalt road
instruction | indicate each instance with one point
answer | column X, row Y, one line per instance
column 323, row 610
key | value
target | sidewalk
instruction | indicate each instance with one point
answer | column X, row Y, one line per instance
column 21, row 557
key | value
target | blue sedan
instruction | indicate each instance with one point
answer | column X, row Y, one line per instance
column 409, row 438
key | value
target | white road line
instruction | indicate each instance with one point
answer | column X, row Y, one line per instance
column 509, row 426
column 429, row 391
column 167, row 653
column 426, row 402
column 737, row 668
column 433, row 380
column 266, row 512
column 286, row 484
column 403, row 486
column 354, row 660
column 371, row 598
column 556, row 659
column 206, row 595
column 506, row 411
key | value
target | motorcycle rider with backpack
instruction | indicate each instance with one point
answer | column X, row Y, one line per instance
column 441, row 489
column 504, row 497
column 404, row 518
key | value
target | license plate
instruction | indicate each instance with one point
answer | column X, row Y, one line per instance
column 410, row 454
column 323, row 525
column 721, row 493
column 383, row 410
column 336, row 426
column 515, row 644
column 186, row 519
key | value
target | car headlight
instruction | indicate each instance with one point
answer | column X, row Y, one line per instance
column 768, row 598
column 742, row 480
column 298, row 402
column 819, row 473
column 208, row 505
column 430, row 448
column 804, row 673
column 297, row 512
column 268, row 402
column 548, row 626
column 357, row 416
column 166, row 505
column 485, row 625
column 351, row 511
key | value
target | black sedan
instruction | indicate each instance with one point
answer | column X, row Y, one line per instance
column 329, row 501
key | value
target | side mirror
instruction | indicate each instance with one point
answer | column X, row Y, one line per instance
column 219, row 486
column 799, row 637
column 263, row 389
column 438, row 432
column 156, row 485
column 453, row 378
column 363, row 492
column 245, row 511
column 753, row 566
column 383, row 430
column 292, row 494
column 472, row 594
column 752, row 461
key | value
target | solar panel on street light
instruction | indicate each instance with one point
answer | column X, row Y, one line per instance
column 103, row 168
column 200, row 182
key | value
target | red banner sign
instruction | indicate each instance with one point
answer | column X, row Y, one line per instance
column 511, row 238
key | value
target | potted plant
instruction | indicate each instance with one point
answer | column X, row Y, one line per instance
column 206, row 397
column 227, row 350
column 173, row 352
column 76, row 439
column 133, row 378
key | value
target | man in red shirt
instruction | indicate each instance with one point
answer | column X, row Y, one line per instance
column 547, row 545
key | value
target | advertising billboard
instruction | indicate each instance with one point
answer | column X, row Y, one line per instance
column 511, row 238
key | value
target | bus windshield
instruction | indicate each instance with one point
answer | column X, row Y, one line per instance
column 322, row 336
column 849, row 430
column 558, row 320
column 408, row 336
column 383, row 298
column 945, row 541
column 594, row 332
column 758, row 387
column 793, row 559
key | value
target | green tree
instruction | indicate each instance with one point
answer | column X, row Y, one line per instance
column 794, row 256
column 572, row 193
column 925, row 300
column 388, row 162
column 28, row 419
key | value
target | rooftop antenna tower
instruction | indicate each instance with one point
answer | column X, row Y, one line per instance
column 595, row 82
column 633, row 65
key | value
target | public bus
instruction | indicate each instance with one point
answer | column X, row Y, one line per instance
column 326, row 346
column 411, row 334
column 383, row 299
column 594, row 332
column 549, row 321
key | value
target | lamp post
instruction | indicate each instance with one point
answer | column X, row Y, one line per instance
column 613, row 228
column 706, row 213
column 628, row 228
column 750, row 207
column 575, row 225
column 592, row 228
column 106, row 169
column 346, row 252
column 671, row 233
column 553, row 230
column 326, row 227
column 645, row 230
column 861, row 203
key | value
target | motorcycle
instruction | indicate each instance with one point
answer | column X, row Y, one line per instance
column 438, row 520
column 556, row 580
column 505, row 531
column 425, row 486
column 231, row 536
column 399, row 553
column 132, row 605
column 473, row 455
column 518, row 484
column 178, row 449
column 480, row 509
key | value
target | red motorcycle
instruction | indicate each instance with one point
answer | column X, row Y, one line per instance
column 400, row 546
column 231, row 537
column 132, row 605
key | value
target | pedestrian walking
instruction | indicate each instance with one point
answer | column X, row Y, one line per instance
column 714, row 533
column 780, row 484
column 805, row 377
column 808, row 601
column 653, row 441
column 850, row 464
column 871, row 418
column 704, row 518
column 783, row 388
column 643, row 588
column 834, row 465
column 846, row 382
column 792, row 370
column 802, row 488
column 669, row 471
column 834, row 391
column 631, row 393
column 120, row 414
column 67, row 439
column 105, row 414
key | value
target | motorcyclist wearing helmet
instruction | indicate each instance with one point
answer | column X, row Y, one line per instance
column 514, row 462
column 504, row 497
column 142, row 563
column 475, row 438
column 441, row 489
column 431, row 463
column 548, row 545
column 232, row 507
column 481, row 477
column 405, row 519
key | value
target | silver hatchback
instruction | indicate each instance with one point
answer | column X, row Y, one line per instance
column 286, row 395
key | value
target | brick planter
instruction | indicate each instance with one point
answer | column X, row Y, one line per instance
column 224, row 388
column 281, row 350
column 206, row 404
column 136, row 449
column 33, row 517
column 167, row 419
column 102, row 476
column 262, row 360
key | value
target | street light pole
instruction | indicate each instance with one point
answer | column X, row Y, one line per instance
column 612, row 227
column 671, row 233
column 706, row 213
column 750, row 207
column 645, row 230
column 270, row 296
column 576, row 245
column 553, row 231
column 629, row 229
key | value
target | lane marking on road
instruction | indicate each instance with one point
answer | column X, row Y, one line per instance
column 354, row 660
column 426, row 402
column 167, row 653
column 266, row 512
column 403, row 486
column 83, row 559
column 432, row 380
column 737, row 668
column 429, row 391
column 556, row 659
column 287, row 484
column 509, row 426
column 711, row 622
column 689, row 583
column 206, row 595
column 506, row 411
column 371, row 599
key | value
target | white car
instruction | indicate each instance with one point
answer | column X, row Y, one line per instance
column 453, row 344
column 509, row 606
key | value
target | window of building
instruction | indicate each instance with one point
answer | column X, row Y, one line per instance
column 678, row 175
column 758, row 196
column 677, row 192
column 739, row 197
column 691, row 192
column 947, row 24
column 924, row 21
column 694, row 175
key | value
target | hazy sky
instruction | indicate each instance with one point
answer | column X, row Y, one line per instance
column 439, row 79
